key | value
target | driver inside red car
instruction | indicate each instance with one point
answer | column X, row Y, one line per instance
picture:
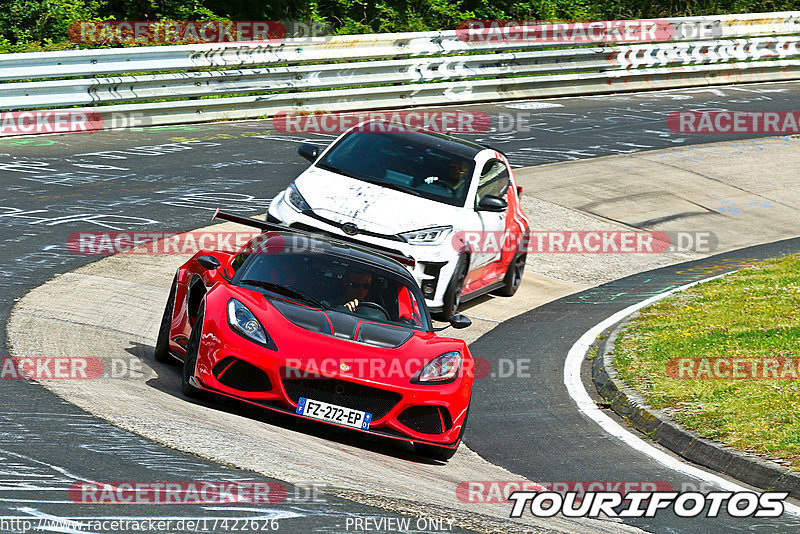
column 355, row 289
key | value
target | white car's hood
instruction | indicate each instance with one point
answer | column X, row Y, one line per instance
column 371, row 207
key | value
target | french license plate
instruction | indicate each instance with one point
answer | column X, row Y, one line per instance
column 333, row 414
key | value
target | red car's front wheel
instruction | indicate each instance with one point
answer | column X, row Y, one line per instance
column 190, row 361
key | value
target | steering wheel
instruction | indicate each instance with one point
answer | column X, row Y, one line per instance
column 375, row 306
column 444, row 184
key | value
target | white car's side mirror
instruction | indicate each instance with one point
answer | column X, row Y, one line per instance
column 308, row 151
column 492, row 203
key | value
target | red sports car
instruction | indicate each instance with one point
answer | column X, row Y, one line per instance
column 321, row 329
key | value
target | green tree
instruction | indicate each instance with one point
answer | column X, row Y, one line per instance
column 42, row 24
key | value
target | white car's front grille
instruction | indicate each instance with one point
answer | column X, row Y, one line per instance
column 341, row 226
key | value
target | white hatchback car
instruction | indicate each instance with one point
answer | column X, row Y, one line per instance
column 414, row 193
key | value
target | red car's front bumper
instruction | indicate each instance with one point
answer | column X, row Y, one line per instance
column 303, row 363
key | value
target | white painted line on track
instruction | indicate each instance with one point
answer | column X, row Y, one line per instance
column 481, row 318
column 53, row 467
column 572, row 379
column 262, row 513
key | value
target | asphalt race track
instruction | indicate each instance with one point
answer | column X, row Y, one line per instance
column 172, row 178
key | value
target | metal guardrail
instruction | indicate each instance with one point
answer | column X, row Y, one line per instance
column 360, row 72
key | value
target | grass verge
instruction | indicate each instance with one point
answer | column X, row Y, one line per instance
column 749, row 321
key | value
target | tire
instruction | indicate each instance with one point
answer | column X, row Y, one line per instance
column 513, row 277
column 161, row 352
column 452, row 295
column 190, row 361
column 442, row 454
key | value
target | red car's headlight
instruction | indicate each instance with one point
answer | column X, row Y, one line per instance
column 245, row 323
column 440, row 370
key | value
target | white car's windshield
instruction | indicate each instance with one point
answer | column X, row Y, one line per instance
column 405, row 162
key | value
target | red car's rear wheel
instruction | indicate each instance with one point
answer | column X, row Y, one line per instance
column 161, row 352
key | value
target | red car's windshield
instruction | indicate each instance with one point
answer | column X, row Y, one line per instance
column 331, row 282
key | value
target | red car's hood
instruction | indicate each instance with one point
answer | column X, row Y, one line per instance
column 316, row 343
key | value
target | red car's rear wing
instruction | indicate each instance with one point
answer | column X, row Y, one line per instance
column 247, row 221
column 265, row 226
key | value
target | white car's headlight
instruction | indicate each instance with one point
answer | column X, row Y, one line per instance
column 428, row 236
column 441, row 369
column 295, row 199
column 243, row 321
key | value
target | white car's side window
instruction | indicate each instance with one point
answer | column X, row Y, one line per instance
column 493, row 180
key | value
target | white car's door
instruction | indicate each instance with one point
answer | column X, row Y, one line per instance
column 492, row 180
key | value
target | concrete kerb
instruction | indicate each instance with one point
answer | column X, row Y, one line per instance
column 659, row 427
